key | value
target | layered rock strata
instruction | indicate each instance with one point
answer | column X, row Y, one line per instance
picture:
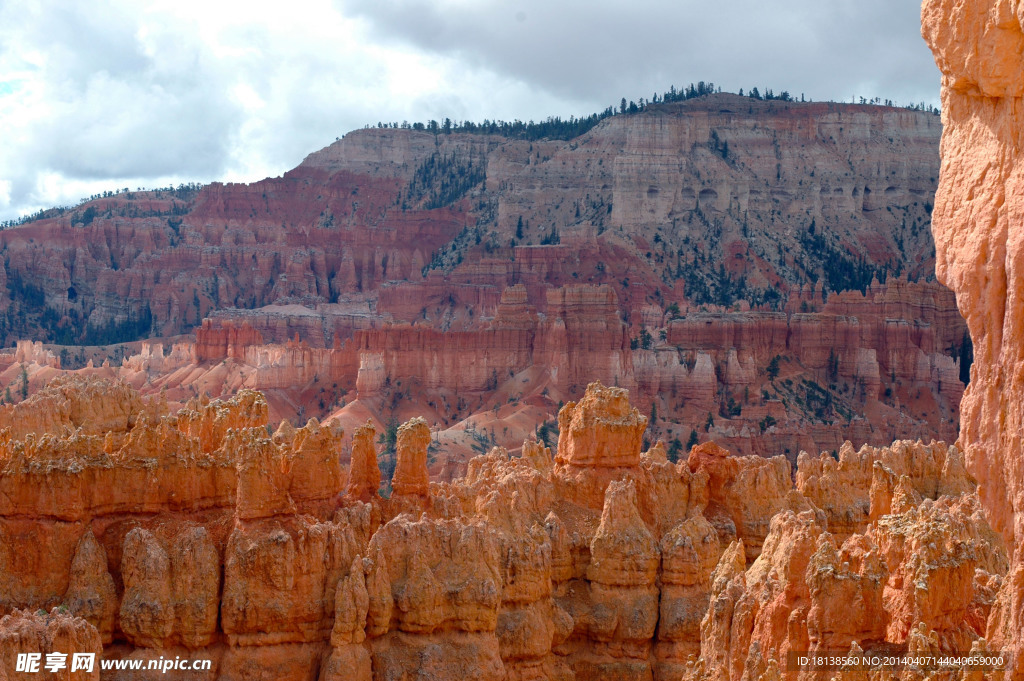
column 866, row 367
column 649, row 204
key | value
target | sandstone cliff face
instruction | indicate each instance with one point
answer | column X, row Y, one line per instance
column 42, row 633
column 869, row 368
column 201, row 534
column 411, row 477
column 977, row 235
column 364, row 473
column 647, row 203
column 588, row 259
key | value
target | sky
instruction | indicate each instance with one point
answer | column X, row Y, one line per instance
column 145, row 93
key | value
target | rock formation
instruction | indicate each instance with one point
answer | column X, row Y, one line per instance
column 202, row 535
column 139, row 518
column 411, row 476
column 977, row 238
column 422, row 224
column 364, row 472
column 870, row 368
column 446, row 275
column 602, row 431
column 933, row 566
column 42, row 634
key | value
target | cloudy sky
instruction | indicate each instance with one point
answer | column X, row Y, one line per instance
column 129, row 93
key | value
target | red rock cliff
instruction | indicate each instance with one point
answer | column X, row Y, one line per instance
column 979, row 222
column 649, row 204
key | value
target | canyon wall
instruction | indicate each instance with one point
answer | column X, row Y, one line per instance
column 712, row 200
column 978, row 230
column 870, row 367
column 481, row 281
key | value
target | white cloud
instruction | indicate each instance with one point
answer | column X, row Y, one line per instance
column 605, row 49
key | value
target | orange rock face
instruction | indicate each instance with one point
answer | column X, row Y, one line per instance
column 871, row 368
column 95, row 407
column 602, row 431
column 40, row 633
column 356, row 278
column 933, row 568
column 202, row 535
column 364, row 472
column 411, row 476
column 227, row 340
column 977, row 226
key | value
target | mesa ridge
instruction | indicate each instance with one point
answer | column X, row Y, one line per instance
column 481, row 281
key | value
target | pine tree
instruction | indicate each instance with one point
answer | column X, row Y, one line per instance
column 675, row 448
column 544, row 434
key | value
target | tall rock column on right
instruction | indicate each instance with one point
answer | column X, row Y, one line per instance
column 978, row 222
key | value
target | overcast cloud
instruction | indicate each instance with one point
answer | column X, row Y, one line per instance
column 122, row 93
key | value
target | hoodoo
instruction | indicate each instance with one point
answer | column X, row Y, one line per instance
column 200, row 535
